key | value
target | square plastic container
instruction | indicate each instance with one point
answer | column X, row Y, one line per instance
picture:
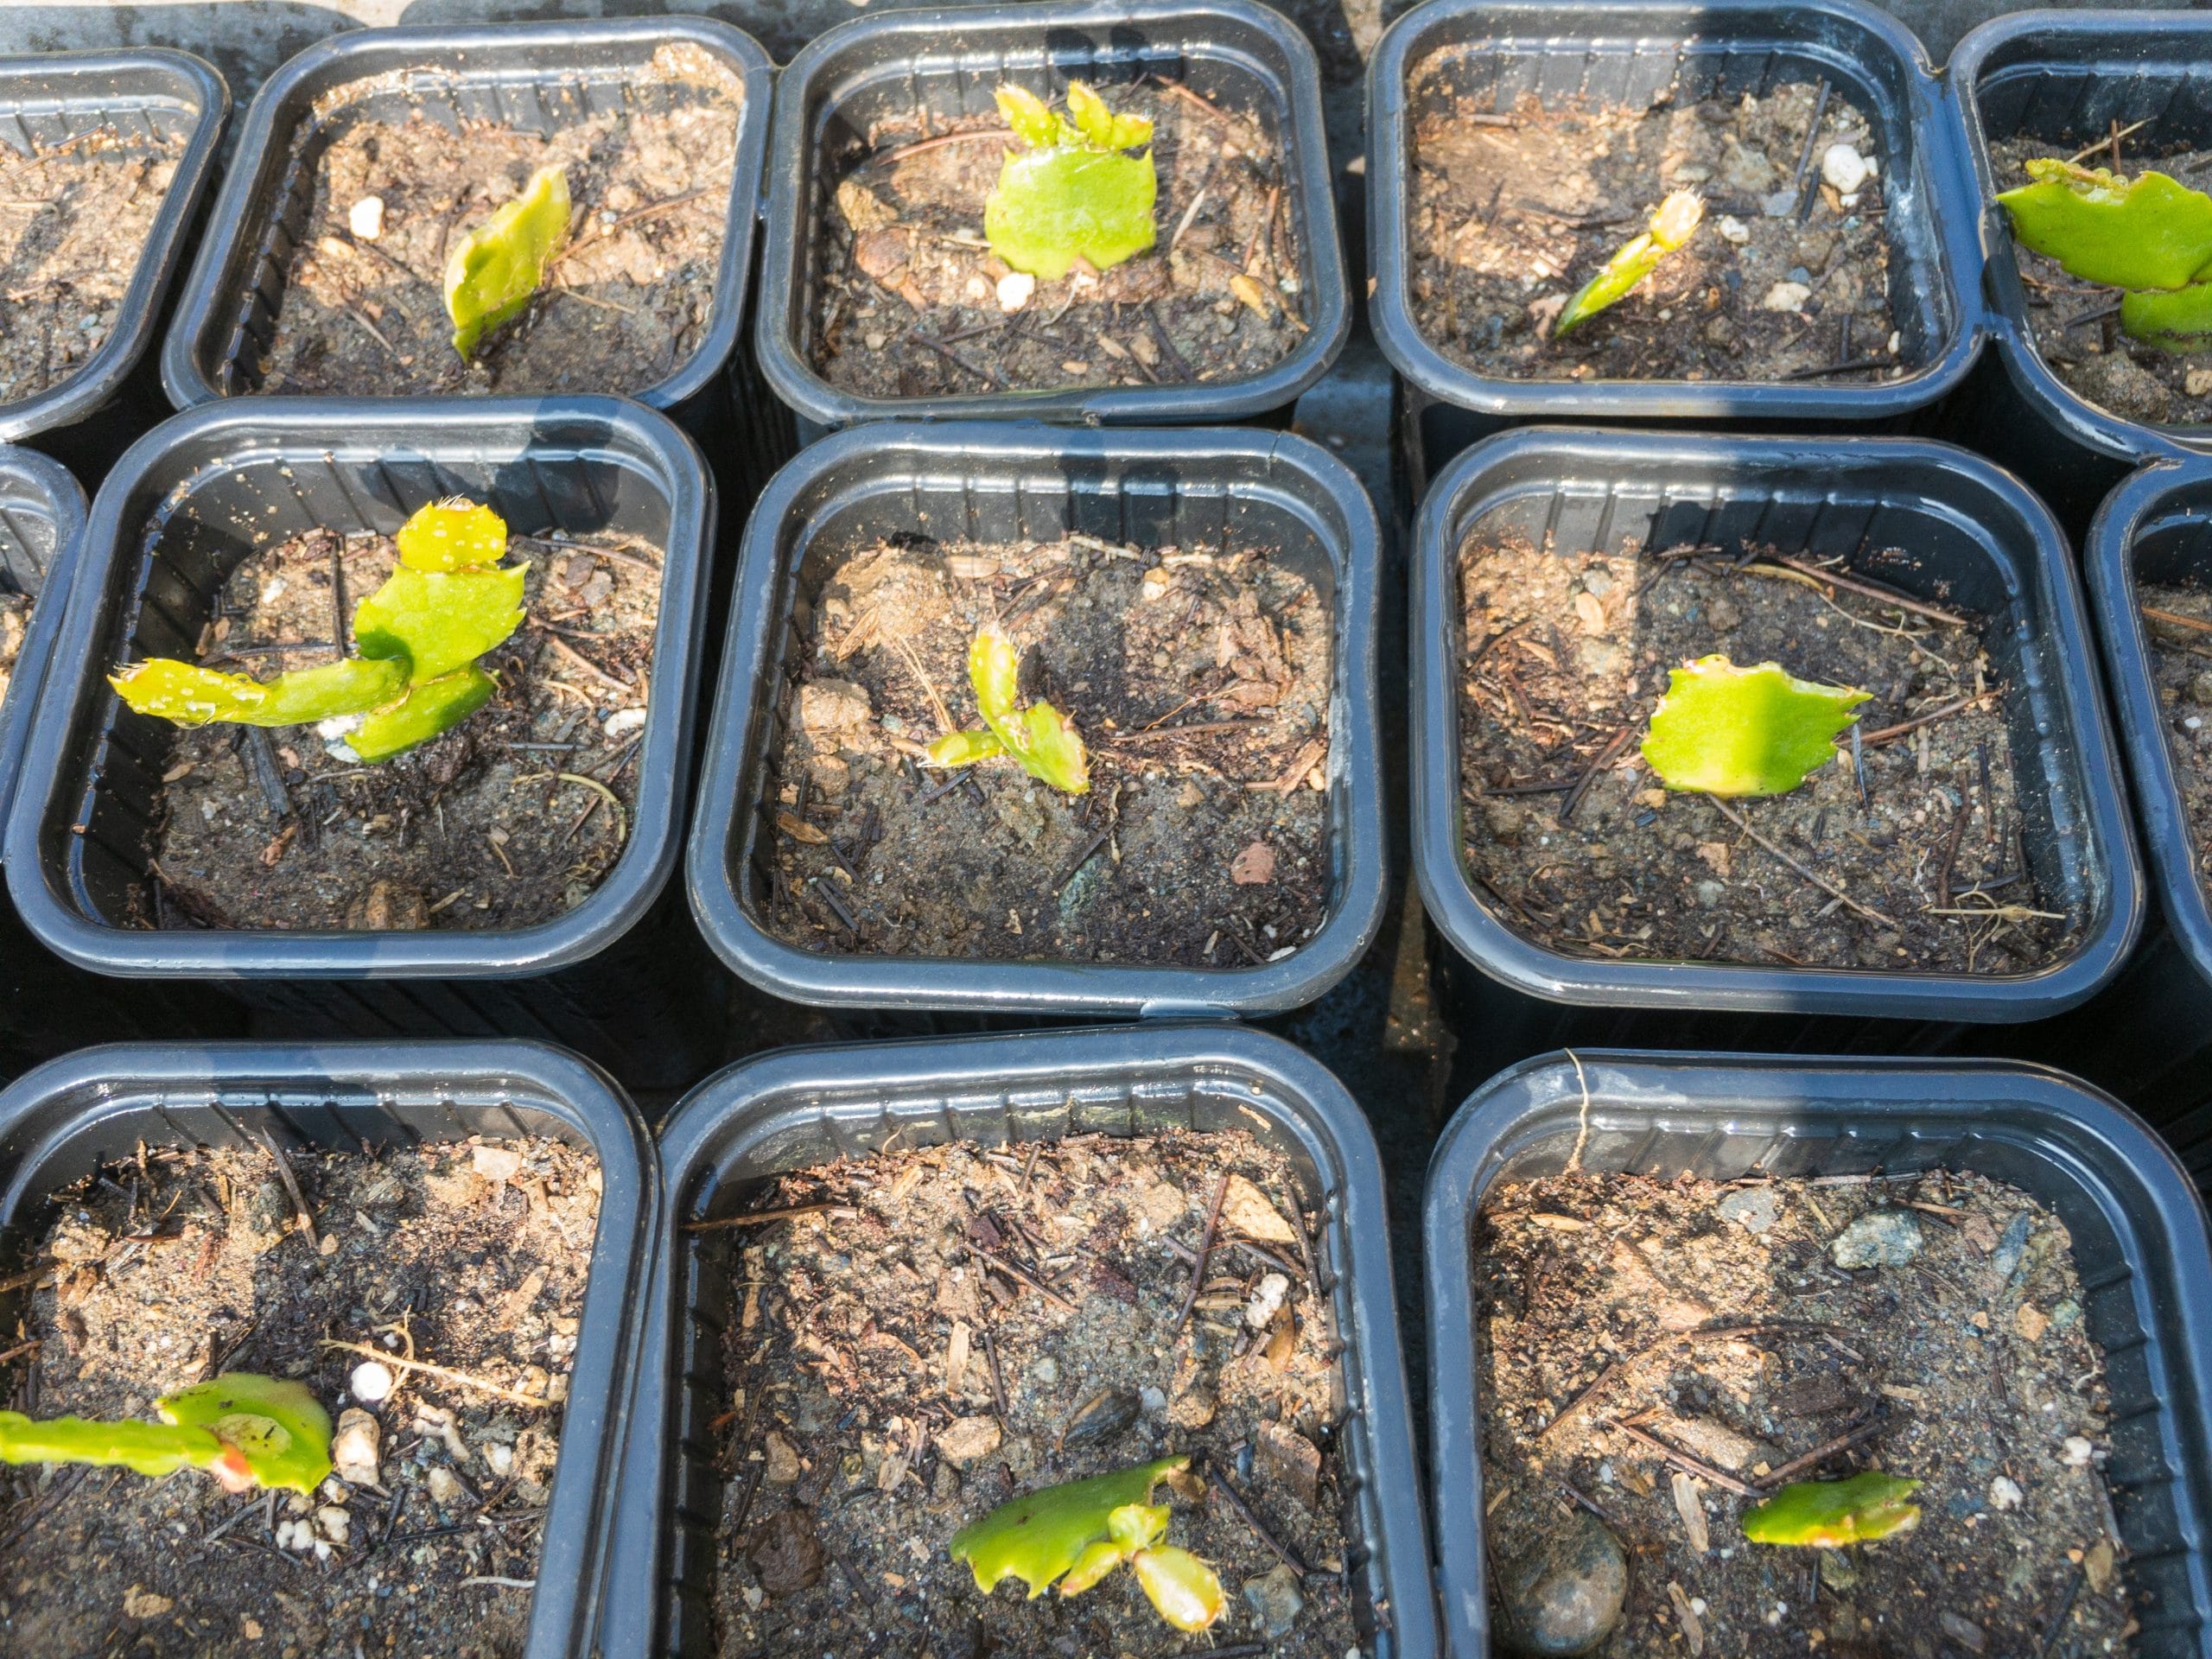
column 1635, row 51
column 1003, row 483
column 946, row 62
column 2138, row 1240
column 803, row 1107
column 1964, row 523
column 61, row 1121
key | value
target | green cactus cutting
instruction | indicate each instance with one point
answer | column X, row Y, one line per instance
column 1041, row 737
column 1672, row 223
column 1726, row 730
column 2150, row 236
column 499, row 265
column 1073, row 190
column 1829, row 1514
column 245, row 1430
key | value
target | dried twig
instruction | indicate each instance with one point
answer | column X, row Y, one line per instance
column 291, row 1186
column 1822, row 882
column 1820, row 1454
column 1905, row 728
column 1218, row 1481
column 1205, row 1253
column 1873, row 590
column 762, row 1217
column 1683, row 1460
column 462, row 1379
column 2195, row 623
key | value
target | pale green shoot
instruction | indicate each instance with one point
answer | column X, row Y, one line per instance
column 1071, row 192
column 503, row 263
column 1041, row 737
column 1673, row 224
column 1745, row 731
column 1829, row 1514
column 246, row 1431
column 2150, row 236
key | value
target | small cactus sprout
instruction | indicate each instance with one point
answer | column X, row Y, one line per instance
column 1041, row 737
column 1728, row 730
column 1829, row 1514
column 503, row 263
column 246, row 1431
column 1674, row 223
column 2150, row 236
column 1072, row 192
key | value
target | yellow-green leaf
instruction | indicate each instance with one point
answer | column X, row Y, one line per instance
column 1829, row 1514
column 1042, row 1534
column 1184, row 1590
column 497, row 266
column 274, row 1424
column 1096, row 1561
column 1030, row 117
column 1052, row 749
column 1673, row 224
column 994, row 672
column 1072, row 193
column 150, row 1449
column 2149, row 232
column 2175, row 319
column 1745, row 731
column 1100, row 126
column 192, row 696
column 439, row 620
column 452, row 535
column 428, row 710
column 1041, row 737
column 965, row 748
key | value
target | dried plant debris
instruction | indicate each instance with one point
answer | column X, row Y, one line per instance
column 469, row 1257
column 2177, row 623
column 627, row 302
column 909, row 302
column 1656, row 1358
column 512, row 818
column 74, row 219
column 1787, row 278
column 928, row 1334
column 2076, row 324
column 1905, row 852
column 15, row 622
column 1198, row 682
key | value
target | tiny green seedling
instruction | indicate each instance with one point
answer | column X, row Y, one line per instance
column 1728, row 730
column 447, row 602
column 503, row 263
column 2150, row 236
column 246, row 1431
column 1073, row 190
column 1829, row 1514
column 1041, row 737
column 1674, row 223
column 1075, row 1534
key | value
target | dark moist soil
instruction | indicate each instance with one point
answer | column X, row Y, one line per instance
column 73, row 221
column 184, row 1264
column 903, row 262
column 2181, row 669
column 1968, row 1366
column 629, row 301
column 1511, row 215
column 475, row 830
column 2135, row 381
column 1567, row 657
column 893, row 1378
column 1200, row 681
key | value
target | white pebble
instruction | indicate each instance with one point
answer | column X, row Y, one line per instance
column 1845, row 167
column 365, row 217
column 2075, row 1454
column 370, row 1383
column 1733, row 230
column 499, row 1457
column 2004, row 1493
column 496, row 1163
column 623, row 722
column 332, row 1522
column 1267, row 1301
column 353, row 1448
column 1786, row 296
column 1015, row 290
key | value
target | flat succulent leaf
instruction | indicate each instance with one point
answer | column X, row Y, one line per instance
column 439, row 620
column 1745, row 731
column 2175, row 319
column 150, row 1449
column 1096, row 1561
column 452, row 535
column 1672, row 223
column 1099, row 125
column 1030, row 117
column 965, row 748
column 1072, row 193
column 1052, row 749
column 192, row 696
column 497, row 266
column 1041, row 737
column 1137, row 1526
column 2149, row 232
column 1182, row 1589
column 276, row 1424
column 1830, row 1514
column 1042, row 1534
column 995, row 675
column 428, row 710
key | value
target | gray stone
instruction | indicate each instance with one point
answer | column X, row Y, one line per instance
column 1754, row 1208
column 1562, row 1595
column 1780, row 204
column 1880, row 1238
column 1276, row 1602
column 2012, row 1245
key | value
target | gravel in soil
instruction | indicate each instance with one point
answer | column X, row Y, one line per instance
column 957, row 1326
column 184, row 1264
column 74, row 223
column 2181, row 674
column 1201, row 681
column 1511, row 215
column 487, row 827
column 2076, row 324
column 363, row 309
column 910, row 302
column 1719, row 1322
column 1566, row 656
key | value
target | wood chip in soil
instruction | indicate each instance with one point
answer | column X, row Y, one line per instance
column 74, row 223
column 1566, row 656
column 2076, row 324
column 908, row 297
column 628, row 303
column 478, row 829
column 1511, row 215
column 190, row 1262
column 1199, row 679
column 1962, row 1355
column 867, row 1356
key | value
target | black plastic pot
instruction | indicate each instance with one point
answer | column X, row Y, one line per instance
column 41, row 521
column 1967, row 525
column 2064, row 77
column 1007, row 483
column 166, row 530
column 145, row 93
column 539, row 76
column 1636, row 52
column 801, row 1107
column 946, row 61
column 2138, row 1240
column 61, row 1121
